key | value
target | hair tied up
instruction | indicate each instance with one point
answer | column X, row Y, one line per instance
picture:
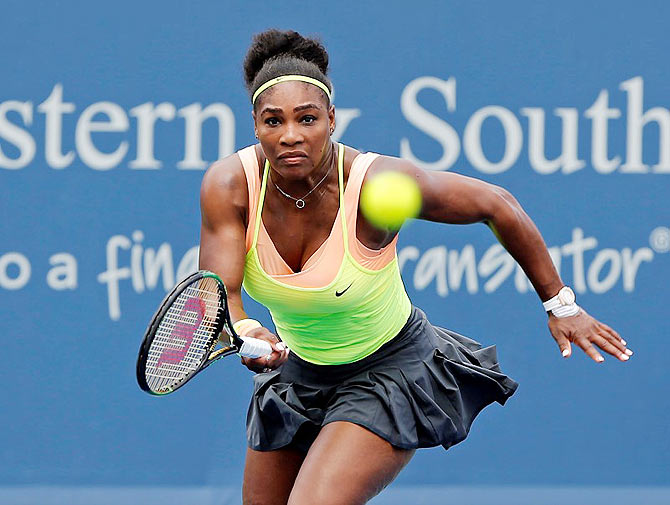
column 274, row 53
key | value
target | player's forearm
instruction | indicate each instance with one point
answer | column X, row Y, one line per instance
column 235, row 306
column 232, row 279
column 519, row 235
column 226, row 259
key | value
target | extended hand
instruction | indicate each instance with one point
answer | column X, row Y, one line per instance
column 585, row 331
column 271, row 361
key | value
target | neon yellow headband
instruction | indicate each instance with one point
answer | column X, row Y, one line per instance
column 284, row 78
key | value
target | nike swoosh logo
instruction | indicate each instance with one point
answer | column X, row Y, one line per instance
column 340, row 293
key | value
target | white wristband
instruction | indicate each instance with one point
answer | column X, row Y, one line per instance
column 563, row 304
column 566, row 310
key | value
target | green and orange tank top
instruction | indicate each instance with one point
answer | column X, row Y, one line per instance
column 348, row 300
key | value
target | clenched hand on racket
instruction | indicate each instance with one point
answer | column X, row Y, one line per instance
column 182, row 337
column 269, row 361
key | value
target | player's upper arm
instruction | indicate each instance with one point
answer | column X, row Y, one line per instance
column 223, row 205
column 448, row 197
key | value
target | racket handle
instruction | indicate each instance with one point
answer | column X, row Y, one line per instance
column 254, row 347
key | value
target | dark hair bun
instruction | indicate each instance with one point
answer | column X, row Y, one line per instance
column 273, row 43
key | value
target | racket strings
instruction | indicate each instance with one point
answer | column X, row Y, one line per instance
column 185, row 335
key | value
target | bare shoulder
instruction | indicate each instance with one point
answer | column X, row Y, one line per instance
column 424, row 178
column 224, row 188
column 447, row 196
column 350, row 154
column 427, row 178
column 226, row 175
column 384, row 163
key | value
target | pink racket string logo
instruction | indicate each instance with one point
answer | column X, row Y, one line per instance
column 183, row 332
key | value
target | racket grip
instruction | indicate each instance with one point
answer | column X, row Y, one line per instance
column 254, row 347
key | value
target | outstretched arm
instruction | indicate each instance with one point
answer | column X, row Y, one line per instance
column 223, row 205
column 456, row 199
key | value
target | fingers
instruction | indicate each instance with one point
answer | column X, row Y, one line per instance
column 587, row 333
column 258, row 365
column 586, row 346
column 611, row 346
column 564, row 345
column 613, row 333
column 607, row 343
column 270, row 361
column 279, row 347
column 283, row 349
column 277, row 357
column 612, row 341
column 613, row 338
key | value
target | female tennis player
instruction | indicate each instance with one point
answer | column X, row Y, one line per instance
column 368, row 379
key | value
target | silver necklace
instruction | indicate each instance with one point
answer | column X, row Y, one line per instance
column 300, row 202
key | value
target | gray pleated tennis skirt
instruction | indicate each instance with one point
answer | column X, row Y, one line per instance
column 421, row 389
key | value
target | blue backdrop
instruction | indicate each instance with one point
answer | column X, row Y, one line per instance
column 109, row 114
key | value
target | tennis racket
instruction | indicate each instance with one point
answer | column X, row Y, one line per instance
column 181, row 338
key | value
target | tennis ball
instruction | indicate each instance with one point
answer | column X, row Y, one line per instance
column 389, row 198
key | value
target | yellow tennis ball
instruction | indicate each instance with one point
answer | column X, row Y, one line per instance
column 389, row 198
